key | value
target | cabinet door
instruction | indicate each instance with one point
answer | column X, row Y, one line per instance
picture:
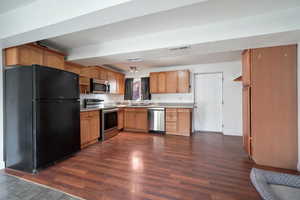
column 94, row 72
column 274, row 106
column 141, row 117
column 246, row 120
column 120, row 119
column 122, row 85
column 171, row 82
column 171, row 114
column 171, row 127
column 72, row 67
column 84, row 128
column 94, row 122
column 111, row 76
column 23, row 55
column 183, row 81
column 102, row 74
column 246, row 70
column 53, row 60
column 153, row 82
column 184, row 121
column 129, row 122
column 161, row 82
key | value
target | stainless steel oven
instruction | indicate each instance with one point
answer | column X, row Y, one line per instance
column 99, row 86
column 109, row 123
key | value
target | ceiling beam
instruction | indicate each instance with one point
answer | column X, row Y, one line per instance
column 250, row 32
column 46, row 19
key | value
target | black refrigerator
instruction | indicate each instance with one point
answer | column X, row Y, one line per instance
column 42, row 116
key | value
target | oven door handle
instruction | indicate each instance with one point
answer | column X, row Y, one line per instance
column 111, row 110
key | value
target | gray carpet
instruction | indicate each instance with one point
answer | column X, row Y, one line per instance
column 12, row 188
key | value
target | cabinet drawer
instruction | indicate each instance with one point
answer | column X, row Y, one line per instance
column 184, row 110
column 94, row 113
column 84, row 114
column 171, row 126
column 129, row 109
column 171, row 115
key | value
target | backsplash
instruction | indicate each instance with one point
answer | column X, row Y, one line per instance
column 108, row 98
column 170, row 98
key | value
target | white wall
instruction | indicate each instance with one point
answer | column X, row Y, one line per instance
column 298, row 80
column 232, row 91
column 1, row 111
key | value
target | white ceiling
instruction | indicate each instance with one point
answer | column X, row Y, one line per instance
column 7, row 5
column 195, row 15
column 200, row 14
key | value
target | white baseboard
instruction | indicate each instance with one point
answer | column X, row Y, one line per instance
column 2, row 164
column 231, row 133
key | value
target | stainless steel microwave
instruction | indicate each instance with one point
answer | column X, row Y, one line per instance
column 99, row 86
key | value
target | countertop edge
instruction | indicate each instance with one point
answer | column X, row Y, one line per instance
column 95, row 109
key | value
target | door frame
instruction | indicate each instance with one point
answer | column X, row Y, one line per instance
column 222, row 96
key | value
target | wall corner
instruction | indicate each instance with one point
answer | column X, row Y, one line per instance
column 298, row 91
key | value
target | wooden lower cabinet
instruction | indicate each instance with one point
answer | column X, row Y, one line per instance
column 120, row 119
column 179, row 121
column 89, row 128
column 136, row 119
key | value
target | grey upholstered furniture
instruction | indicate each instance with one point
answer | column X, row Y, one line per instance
column 276, row 186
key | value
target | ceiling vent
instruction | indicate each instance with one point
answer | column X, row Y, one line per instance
column 135, row 59
column 180, row 48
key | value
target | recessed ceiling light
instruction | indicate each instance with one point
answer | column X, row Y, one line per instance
column 180, row 48
column 135, row 59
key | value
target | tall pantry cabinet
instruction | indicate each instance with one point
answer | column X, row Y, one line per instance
column 270, row 106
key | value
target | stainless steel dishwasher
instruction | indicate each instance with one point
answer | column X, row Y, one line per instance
column 156, row 118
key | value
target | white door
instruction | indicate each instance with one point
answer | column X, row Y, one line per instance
column 208, row 99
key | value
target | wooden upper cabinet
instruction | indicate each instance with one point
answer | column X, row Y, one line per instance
column 73, row 67
column 23, row 55
column 94, row 72
column 112, row 80
column 246, row 67
column 153, row 82
column 54, row 60
column 171, row 81
column 30, row 54
column 120, row 83
column 102, row 74
column 183, row 81
column 161, row 82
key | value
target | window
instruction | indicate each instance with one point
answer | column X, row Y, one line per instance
column 137, row 89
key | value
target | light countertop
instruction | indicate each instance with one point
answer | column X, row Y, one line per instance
column 151, row 105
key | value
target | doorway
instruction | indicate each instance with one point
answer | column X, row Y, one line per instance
column 208, row 91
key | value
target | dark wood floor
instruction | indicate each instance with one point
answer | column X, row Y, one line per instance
column 206, row 166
